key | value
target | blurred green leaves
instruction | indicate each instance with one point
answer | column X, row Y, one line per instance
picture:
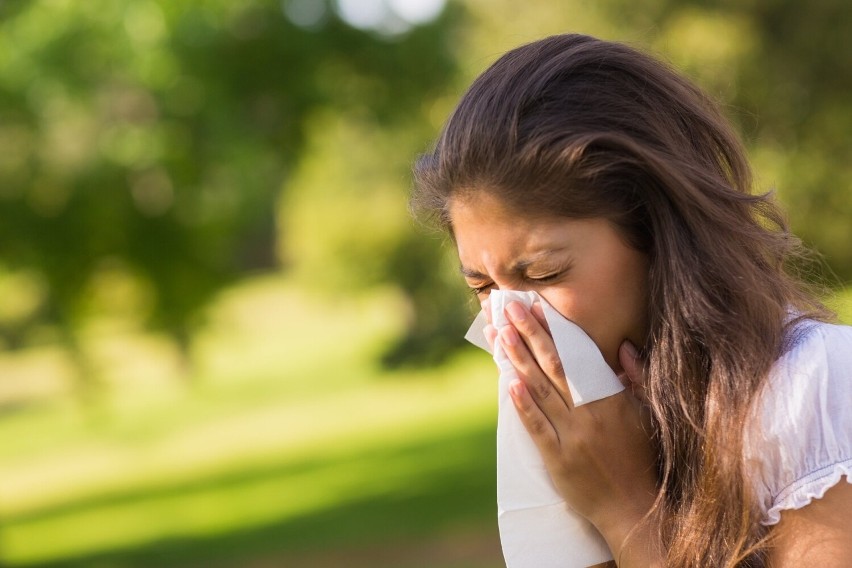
column 155, row 138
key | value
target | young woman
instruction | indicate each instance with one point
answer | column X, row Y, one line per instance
column 601, row 179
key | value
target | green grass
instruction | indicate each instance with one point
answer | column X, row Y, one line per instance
column 370, row 495
column 298, row 455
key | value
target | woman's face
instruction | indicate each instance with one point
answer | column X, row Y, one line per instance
column 582, row 267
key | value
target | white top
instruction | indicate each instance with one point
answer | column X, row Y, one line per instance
column 800, row 444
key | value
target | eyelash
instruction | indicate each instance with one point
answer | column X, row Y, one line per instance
column 480, row 289
column 541, row 280
column 546, row 279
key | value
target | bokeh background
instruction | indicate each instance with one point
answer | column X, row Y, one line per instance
column 223, row 342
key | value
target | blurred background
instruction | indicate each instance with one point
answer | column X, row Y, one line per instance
column 223, row 342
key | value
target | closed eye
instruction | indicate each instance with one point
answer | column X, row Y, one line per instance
column 477, row 290
column 545, row 279
column 555, row 273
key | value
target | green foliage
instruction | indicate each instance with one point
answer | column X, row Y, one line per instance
column 841, row 303
column 787, row 76
column 346, row 230
column 155, row 136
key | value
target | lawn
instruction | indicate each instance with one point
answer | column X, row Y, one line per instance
column 293, row 448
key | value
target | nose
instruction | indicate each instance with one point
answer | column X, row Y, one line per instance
column 523, row 287
column 511, row 284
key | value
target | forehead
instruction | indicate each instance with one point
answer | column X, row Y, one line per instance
column 483, row 227
column 483, row 208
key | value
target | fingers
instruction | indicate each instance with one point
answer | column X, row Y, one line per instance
column 634, row 369
column 538, row 311
column 489, row 331
column 537, row 338
column 539, row 385
column 490, row 335
column 537, row 424
column 533, row 354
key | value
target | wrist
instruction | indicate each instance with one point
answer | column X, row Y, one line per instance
column 633, row 536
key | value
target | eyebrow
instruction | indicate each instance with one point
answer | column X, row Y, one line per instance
column 517, row 267
column 470, row 273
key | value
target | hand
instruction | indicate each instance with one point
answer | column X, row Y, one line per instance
column 599, row 455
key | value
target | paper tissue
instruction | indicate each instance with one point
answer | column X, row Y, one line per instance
column 537, row 528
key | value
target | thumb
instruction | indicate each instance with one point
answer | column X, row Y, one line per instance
column 634, row 369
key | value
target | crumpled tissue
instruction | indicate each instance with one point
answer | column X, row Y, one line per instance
column 537, row 528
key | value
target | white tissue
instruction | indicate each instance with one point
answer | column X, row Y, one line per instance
column 537, row 528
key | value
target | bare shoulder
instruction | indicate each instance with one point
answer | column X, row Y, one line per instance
column 819, row 534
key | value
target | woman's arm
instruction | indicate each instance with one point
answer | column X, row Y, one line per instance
column 819, row 534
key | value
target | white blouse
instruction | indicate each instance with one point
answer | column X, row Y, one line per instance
column 799, row 443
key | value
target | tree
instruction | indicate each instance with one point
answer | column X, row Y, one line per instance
column 153, row 137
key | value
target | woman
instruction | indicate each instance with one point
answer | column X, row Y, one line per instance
column 599, row 178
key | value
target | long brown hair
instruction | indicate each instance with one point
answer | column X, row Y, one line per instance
column 578, row 127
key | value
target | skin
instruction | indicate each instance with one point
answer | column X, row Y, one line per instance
column 599, row 455
column 819, row 534
column 583, row 268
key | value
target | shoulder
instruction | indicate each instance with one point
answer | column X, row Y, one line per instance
column 817, row 535
column 798, row 443
column 809, row 338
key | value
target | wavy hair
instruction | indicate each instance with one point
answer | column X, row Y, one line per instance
column 579, row 127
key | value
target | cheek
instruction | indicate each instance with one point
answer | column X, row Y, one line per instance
column 565, row 300
column 584, row 308
column 609, row 308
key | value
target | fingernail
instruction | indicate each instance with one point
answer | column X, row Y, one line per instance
column 516, row 312
column 517, row 388
column 631, row 349
column 490, row 332
column 508, row 335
